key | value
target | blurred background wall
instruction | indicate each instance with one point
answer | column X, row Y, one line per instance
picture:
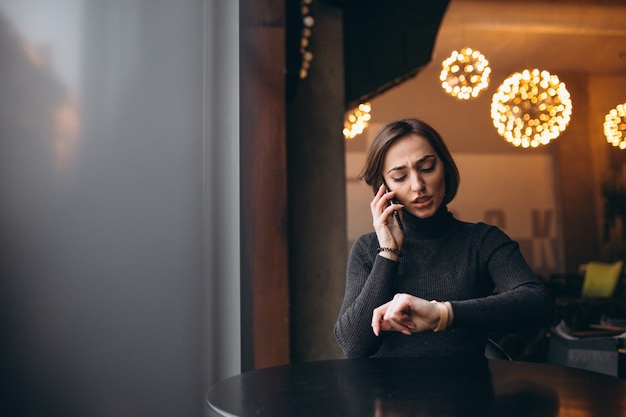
column 119, row 227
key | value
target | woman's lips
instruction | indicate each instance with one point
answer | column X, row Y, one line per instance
column 423, row 202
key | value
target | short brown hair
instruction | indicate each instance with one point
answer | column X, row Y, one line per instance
column 391, row 132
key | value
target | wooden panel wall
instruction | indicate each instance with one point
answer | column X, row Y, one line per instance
column 264, row 263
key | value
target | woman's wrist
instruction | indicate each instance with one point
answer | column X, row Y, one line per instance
column 444, row 310
column 389, row 253
column 448, row 305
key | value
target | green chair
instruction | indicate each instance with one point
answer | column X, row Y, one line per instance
column 601, row 279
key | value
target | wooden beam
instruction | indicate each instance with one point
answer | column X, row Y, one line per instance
column 264, row 264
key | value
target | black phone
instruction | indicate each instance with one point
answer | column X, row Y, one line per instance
column 395, row 213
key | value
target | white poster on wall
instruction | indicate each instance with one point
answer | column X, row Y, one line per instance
column 515, row 192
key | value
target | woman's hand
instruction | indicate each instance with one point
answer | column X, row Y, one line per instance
column 407, row 314
column 386, row 226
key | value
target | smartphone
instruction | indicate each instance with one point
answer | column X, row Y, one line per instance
column 395, row 213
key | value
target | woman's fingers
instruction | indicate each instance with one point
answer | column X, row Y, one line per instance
column 398, row 315
column 393, row 316
column 378, row 207
column 377, row 317
column 405, row 313
column 386, row 226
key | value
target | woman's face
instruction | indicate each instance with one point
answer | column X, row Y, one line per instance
column 415, row 172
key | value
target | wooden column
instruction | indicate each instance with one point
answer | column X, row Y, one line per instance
column 264, row 263
column 575, row 169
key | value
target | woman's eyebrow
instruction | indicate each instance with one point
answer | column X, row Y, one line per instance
column 396, row 169
column 419, row 161
column 425, row 158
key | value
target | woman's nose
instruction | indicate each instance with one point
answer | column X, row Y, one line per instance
column 416, row 182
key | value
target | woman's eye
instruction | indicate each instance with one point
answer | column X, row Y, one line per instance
column 429, row 169
column 399, row 179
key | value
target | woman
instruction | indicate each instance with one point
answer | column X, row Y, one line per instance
column 425, row 283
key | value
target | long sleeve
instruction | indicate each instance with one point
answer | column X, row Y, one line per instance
column 475, row 266
column 369, row 284
column 521, row 300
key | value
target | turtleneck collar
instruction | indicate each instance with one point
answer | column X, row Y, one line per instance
column 437, row 225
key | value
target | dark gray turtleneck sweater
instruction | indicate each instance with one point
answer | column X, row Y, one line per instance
column 475, row 266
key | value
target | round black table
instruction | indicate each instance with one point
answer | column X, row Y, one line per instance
column 416, row 387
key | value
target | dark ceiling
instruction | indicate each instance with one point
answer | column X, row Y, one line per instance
column 580, row 36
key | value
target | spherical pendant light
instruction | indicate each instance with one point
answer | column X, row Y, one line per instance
column 615, row 126
column 465, row 74
column 356, row 120
column 531, row 108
